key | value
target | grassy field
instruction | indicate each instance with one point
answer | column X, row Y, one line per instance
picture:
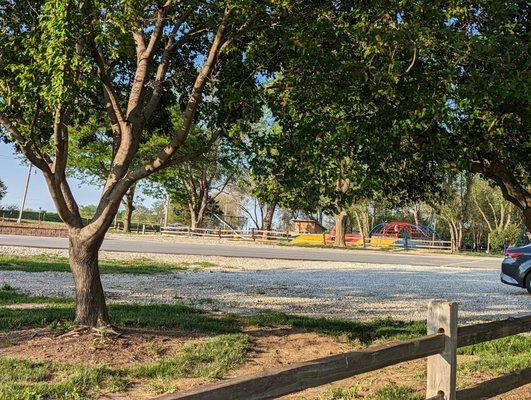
column 60, row 264
column 226, row 346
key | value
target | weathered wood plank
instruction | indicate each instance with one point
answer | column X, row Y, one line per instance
column 439, row 396
column 279, row 382
column 496, row 386
column 442, row 367
column 478, row 333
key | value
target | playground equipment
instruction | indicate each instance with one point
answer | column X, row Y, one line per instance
column 398, row 233
column 385, row 234
column 397, row 229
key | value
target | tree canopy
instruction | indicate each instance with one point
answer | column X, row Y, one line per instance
column 388, row 99
column 63, row 62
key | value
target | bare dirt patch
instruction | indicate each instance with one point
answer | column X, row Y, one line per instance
column 129, row 348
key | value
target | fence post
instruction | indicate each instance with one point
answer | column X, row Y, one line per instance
column 442, row 318
column 143, row 229
column 219, row 233
column 252, row 234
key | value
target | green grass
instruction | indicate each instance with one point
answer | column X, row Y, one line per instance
column 179, row 316
column 395, row 392
column 389, row 392
column 57, row 311
column 210, row 359
column 35, row 380
column 27, row 379
column 9, row 296
column 60, row 264
column 364, row 332
column 498, row 357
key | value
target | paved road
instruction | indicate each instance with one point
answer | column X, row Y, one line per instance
column 149, row 245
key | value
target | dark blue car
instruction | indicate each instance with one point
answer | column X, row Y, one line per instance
column 516, row 267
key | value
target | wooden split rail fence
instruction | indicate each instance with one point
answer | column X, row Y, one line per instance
column 263, row 235
column 440, row 346
column 247, row 234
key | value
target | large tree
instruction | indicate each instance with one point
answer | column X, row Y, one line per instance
column 64, row 60
column 374, row 85
column 429, row 87
column 195, row 185
column 490, row 91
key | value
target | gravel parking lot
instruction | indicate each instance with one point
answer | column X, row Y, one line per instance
column 329, row 289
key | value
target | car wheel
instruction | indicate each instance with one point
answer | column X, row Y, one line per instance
column 528, row 282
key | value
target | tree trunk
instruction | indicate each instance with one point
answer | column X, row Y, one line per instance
column 416, row 212
column 129, row 208
column 360, row 227
column 452, row 237
column 268, row 217
column 341, row 225
column 200, row 216
column 193, row 218
column 518, row 193
column 526, row 213
column 91, row 309
column 128, row 214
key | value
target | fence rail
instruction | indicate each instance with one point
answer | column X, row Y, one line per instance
column 424, row 244
column 246, row 234
column 137, row 227
column 440, row 347
column 268, row 235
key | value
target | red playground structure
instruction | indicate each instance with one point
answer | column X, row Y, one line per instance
column 388, row 233
column 397, row 229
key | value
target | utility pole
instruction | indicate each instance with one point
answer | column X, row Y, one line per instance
column 19, row 220
column 166, row 210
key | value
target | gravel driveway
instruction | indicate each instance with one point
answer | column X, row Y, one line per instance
column 340, row 290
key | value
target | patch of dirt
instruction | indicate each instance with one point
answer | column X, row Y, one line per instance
column 131, row 347
column 271, row 348
column 276, row 348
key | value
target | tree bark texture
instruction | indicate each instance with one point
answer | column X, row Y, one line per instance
column 128, row 208
column 340, row 228
column 267, row 221
column 91, row 309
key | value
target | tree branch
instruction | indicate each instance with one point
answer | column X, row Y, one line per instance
column 111, row 99
column 34, row 157
column 164, row 158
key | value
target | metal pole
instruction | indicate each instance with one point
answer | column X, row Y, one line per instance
column 23, row 203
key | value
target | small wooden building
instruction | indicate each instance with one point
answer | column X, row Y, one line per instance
column 308, row 226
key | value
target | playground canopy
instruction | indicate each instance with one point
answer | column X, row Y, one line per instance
column 398, row 229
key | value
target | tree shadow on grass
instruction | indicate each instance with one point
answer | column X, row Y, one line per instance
column 365, row 332
column 159, row 317
column 171, row 317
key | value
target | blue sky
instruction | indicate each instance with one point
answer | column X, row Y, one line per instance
column 13, row 173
